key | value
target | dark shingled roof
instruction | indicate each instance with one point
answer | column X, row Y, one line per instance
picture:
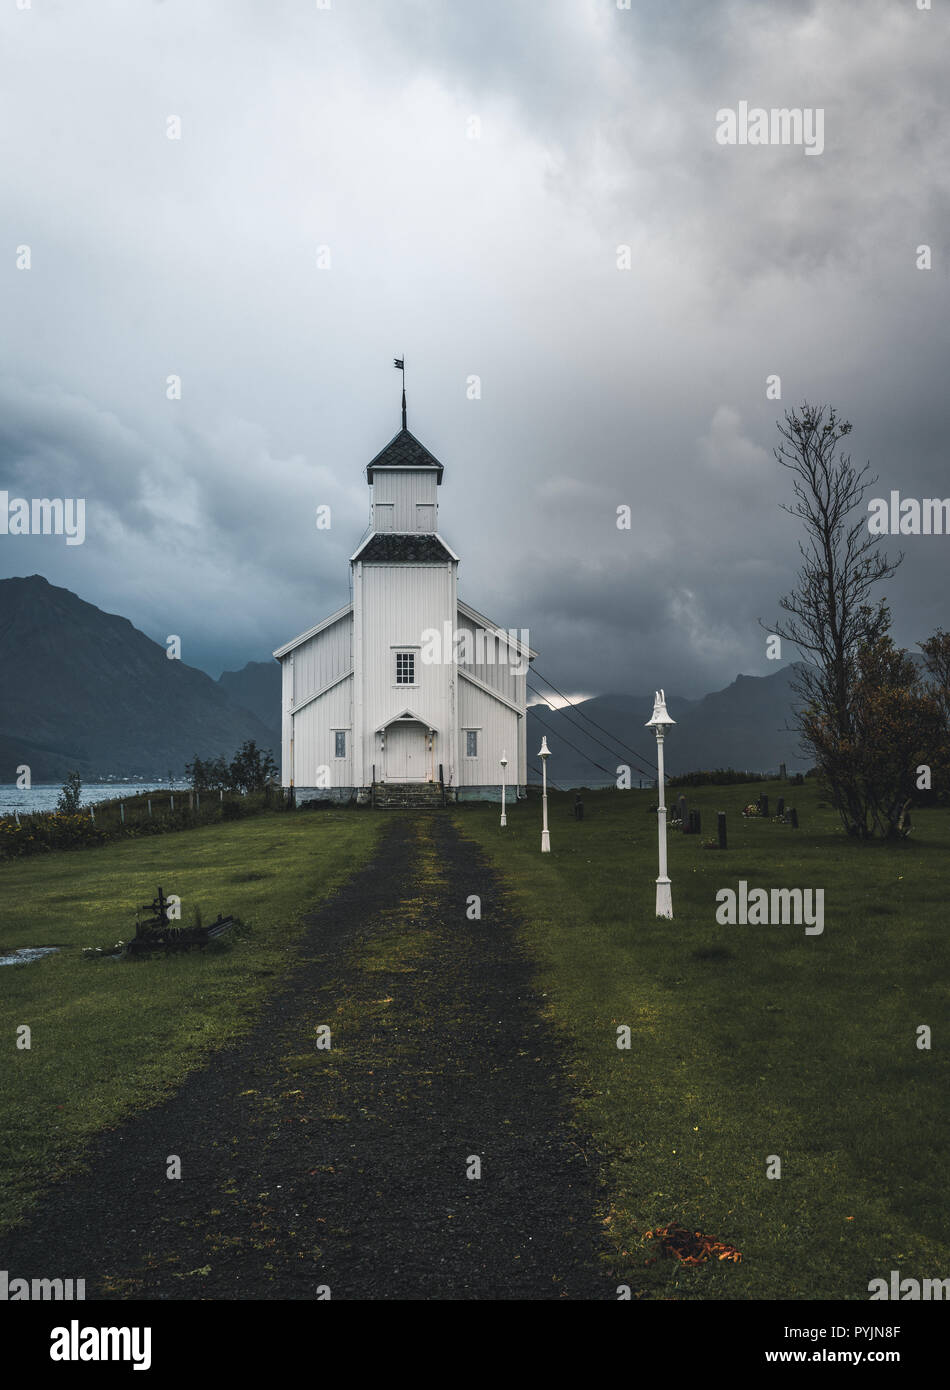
column 404, row 451
column 398, row 545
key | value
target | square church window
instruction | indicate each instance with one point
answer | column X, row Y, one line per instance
column 405, row 668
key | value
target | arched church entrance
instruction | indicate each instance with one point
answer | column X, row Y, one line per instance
column 408, row 751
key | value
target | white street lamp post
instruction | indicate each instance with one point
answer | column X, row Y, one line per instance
column 504, row 768
column 659, row 724
column 544, row 753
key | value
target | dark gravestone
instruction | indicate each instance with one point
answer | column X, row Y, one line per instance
column 682, row 814
column 721, row 828
column 764, row 803
column 780, row 808
column 793, row 818
column 578, row 808
column 695, row 824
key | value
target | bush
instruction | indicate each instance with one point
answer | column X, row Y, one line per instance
column 246, row 806
column 69, row 796
column 51, row 830
column 55, row 830
column 718, row 777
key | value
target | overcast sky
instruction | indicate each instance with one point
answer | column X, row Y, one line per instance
column 352, row 128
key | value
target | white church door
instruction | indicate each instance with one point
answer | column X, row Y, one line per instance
column 406, row 752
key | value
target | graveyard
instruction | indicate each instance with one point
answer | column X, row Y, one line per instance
column 747, row 1081
column 748, row 1042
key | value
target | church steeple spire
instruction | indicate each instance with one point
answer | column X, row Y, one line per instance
column 400, row 364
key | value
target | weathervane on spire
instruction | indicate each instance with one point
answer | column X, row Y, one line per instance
column 400, row 364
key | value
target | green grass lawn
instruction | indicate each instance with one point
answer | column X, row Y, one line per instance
column 112, row 1036
column 748, row 1041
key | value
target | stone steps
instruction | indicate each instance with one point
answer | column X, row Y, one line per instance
column 409, row 796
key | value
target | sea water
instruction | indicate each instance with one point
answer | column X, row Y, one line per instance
column 44, row 796
column 26, row 954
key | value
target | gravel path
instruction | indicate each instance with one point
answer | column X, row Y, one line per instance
column 346, row 1168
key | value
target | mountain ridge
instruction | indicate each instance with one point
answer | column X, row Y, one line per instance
column 740, row 726
column 64, row 663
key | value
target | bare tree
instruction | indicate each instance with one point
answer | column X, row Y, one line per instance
column 830, row 613
column 936, row 652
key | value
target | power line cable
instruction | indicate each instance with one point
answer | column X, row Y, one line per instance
column 585, row 756
column 587, row 734
column 551, row 782
column 584, row 715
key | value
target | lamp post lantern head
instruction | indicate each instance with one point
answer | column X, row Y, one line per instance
column 660, row 714
column 504, row 760
column 544, row 751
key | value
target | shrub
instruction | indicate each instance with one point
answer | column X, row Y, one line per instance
column 71, row 792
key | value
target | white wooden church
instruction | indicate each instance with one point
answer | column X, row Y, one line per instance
column 407, row 687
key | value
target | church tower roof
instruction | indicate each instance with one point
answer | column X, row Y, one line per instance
column 404, row 451
column 404, row 548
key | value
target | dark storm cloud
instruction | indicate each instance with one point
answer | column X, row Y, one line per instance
column 493, row 257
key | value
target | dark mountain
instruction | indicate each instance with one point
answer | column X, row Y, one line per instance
column 742, row 726
column 256, row 687
column 84, row 689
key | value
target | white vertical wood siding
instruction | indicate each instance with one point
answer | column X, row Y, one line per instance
column 399, row 602
column 503, row 674
column 286, row 724
column 323, row 658
column 314, row 742
column 413, row 495
column 305, row 670
column 499, row 731
column 499, row 663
